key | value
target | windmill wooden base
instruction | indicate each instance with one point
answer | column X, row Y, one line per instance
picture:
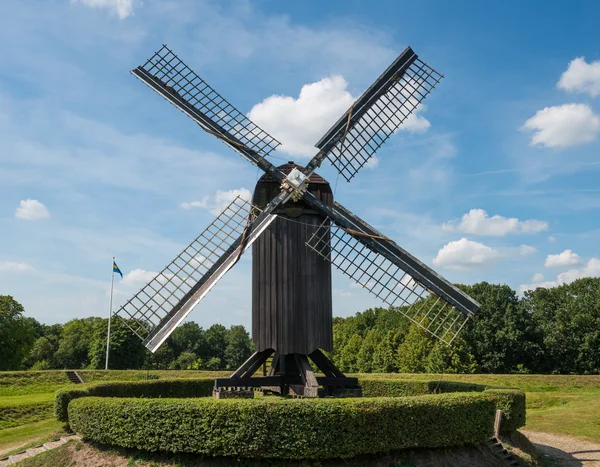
column 289, row 374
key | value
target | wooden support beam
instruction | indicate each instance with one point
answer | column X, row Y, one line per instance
column 325, row 365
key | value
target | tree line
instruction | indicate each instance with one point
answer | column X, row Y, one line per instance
column 546, row 331
column 551, row 331
column 26, row 344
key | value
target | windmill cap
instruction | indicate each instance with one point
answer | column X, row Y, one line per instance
column 315, row 178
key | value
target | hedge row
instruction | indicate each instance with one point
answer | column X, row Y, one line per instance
column 183, row 388
column 179, row 388
column 287, row 428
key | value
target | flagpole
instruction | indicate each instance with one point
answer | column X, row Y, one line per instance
column 112, row 282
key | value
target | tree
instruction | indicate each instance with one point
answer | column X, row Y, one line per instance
column 126, row 349
column 75, row 343
column 568, row 321
column 16, row 334
column 239, row 346
column 454, row 358
column 43, row 350
column 413, row 351
column 216, row 342
column 365, row 361
column 185, row 361
column 384, row 358
column 189, row 337
column 501, row 336
column 349, row 354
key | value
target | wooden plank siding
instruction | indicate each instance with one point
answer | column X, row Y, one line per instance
column 291, row 284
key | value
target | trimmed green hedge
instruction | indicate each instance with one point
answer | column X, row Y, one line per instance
column 287, row 428
column 180, row 388
column 183, row 388
column 402, row 388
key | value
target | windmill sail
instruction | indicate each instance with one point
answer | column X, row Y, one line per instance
column 377, row 114
column 169, row 76
column 160, row 306
column 393, row 275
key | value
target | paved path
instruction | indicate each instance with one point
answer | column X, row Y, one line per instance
column 36, row 450
column 563, row 450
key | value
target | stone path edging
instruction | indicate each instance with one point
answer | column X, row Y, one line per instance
column 10, row 460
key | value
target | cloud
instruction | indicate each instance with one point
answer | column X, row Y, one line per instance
column 581, row 77
column 219, row 201
column 465, row 254
column 591, row 269
column 526, row 250
column 194, row 204
column 566, row 258
column 138, row 277
column 9, row 266
column 122, row 8
column 298, row 123
column 477, row 222
column 563, row 126
column 552, row 239
column 537, row 277
column 31, row 209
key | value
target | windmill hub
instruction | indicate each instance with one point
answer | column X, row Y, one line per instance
column 297, row 232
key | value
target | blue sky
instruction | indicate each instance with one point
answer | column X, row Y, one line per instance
column 495, row 179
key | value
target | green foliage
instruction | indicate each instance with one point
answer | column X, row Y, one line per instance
column 216, row 342
column 402, row 388
column 384, row 358
column 501, row 336
column 347, row 357
column 16, row 334
column 147, row 389
column 568, row 321
column 365, row 358
column 239, row 346
column 310, row 429
column 75, row 343
column 185, row 361
column 413, row 351
column 126, row 349
column 189, row 337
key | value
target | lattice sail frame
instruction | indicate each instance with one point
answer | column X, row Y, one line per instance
column 385, row 116
column 387, row 281
column 170, row 71
column 143, row 313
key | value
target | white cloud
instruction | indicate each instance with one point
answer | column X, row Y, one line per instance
column 591, row 269
column 194, row 204
column 122, row 8
column 477, row 222
column 138, row 277
column 223, row 198
column 219, row 201
column 563, row 126
column 465, row 254
column 537, row 277
column 581, row 77
column 298, row 123
column 552, row 239
column 9, row 266
column 526, row 250
column 566, row 258
column 31, row 209
column 416, row 123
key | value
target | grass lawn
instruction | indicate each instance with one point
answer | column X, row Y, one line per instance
column 29, row 435
column 555, row 404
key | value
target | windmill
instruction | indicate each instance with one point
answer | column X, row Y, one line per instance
column 297, row 231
